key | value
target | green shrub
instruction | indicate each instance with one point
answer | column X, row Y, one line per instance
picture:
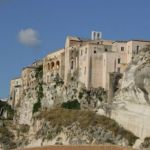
column 146, row 142
column 6, row 107
column 80, row 95
column 58, row 80
column 39, row 88
column 36, row 106
column 39, row 72
column 71, row 105
column 24, row 128
column 49, row 136
column 6, row 138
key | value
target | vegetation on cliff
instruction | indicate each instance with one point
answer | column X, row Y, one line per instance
column 39, row 88
column 6, row 108
column 146, row 143
column 59, row 117
column 71, row 105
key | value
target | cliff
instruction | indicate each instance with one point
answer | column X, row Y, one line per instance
column 131, row 105
column 135, row 85
column 56, row 114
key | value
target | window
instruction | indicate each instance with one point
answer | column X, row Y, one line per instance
column 94, row 51
column 119, row 60
column 52, row 75
column 57, row 64
column 52, row 65
column 122, row 48
column 118, row 69
column 137, row 49
column 106, row 49
column 71, row 64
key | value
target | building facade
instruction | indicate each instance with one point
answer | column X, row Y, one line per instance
column 89, row 61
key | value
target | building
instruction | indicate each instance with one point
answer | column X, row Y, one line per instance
column 15, row 90
column 53, row 64
column 89, row 61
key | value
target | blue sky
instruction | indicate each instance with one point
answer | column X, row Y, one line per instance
column 48, row 22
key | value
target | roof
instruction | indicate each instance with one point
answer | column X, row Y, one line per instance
column 75, row 38
column 16, row 78
column 55, row 51
column 139, row 40
column 36, row 61
column 125, row 41
column 120, row 41
column 28, row 67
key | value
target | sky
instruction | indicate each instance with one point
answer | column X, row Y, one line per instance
column 29, row 29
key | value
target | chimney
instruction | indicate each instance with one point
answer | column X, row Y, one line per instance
column 96, row 35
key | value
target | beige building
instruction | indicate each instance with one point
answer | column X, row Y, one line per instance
column 28, row 78
column 15, row 90
column 89, row 61
column 53, row 64
column 128, row 49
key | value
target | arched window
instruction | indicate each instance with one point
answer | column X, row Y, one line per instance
column 52, row 65
column 57, row 64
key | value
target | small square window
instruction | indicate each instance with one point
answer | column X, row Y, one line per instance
column 119, row 60
column 122, row 48
column 118, row 69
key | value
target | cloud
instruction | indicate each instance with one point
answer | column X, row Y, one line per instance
column 29, row 37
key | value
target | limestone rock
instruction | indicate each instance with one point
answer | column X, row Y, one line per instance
column 131, row 106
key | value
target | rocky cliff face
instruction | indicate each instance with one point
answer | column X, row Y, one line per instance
column 47, row 96
column 41, row 119
column 135, row 85
column 131, row 106
column 74, row 127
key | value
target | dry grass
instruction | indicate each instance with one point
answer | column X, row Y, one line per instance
column 99, row 147
column 65, row 117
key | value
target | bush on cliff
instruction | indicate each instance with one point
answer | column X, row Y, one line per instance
column 5, row 107
column 71, row 105
column 64, row 117
column 39, row 88
column 6, row 138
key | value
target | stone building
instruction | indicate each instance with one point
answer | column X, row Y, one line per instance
column 53, row 64
column 89, row 61
column 15, row 90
